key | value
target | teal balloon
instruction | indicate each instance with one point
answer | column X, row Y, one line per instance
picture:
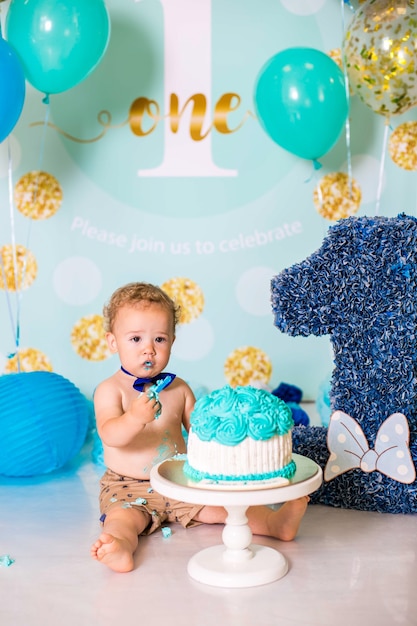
column 59, row 42
column 12, row 89
column 301, row 102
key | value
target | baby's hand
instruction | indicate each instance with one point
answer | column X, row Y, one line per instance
column 145, row 408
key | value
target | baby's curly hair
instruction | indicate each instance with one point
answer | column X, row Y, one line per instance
column 134, row 294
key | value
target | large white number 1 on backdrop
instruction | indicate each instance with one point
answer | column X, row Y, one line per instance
column 187, row 59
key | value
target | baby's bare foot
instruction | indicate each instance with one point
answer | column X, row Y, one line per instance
column 286, row 520
column 113, row 552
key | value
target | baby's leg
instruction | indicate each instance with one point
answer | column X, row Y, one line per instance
column 118, row 541
column 282, row 523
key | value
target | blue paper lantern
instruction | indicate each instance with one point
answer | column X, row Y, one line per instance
column 44, row 421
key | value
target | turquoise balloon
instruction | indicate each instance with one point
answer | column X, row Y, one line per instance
column 59, row 42
column 12, row 89
column 301, row 102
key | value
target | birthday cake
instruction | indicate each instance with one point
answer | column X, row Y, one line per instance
column 239, row 435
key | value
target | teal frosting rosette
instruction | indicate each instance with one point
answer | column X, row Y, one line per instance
column 270, row 417
column 232, row 430
column 230, row 415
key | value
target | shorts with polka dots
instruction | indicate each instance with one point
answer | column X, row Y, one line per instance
column 125, row 492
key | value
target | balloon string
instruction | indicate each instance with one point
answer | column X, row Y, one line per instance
column 35, row 196
column 316, row 167
column 45, row 127
column 13, row 323
column 382, row 167
column 319, row 194
column 9, row 304
column 347, row 92
column 40, row 165
column 14, row 245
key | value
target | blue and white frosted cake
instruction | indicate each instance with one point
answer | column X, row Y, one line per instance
column 238, row 435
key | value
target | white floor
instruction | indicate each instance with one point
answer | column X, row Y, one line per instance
column 345, row 567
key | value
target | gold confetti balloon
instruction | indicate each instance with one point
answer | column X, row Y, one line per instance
column 247, row 366
column 402, row 146
column 380, row 48
column 336, row 197
column 38, row 195
column 187, row 295
column 88, row 338
column 18, row 267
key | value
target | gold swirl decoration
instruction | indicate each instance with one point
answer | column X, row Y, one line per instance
column 104, row 119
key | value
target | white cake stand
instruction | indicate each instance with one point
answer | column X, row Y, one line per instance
column 237, row 562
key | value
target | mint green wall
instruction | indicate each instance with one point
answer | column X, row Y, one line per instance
column 227, row 212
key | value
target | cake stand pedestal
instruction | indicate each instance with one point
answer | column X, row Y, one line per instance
column 237, row 562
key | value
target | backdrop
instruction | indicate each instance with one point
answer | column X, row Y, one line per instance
column 156, row 168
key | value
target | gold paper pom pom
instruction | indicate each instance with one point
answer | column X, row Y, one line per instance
column 88, row 338
column 334, row 198
column 247, row 366
column 28, row 360
column 18, row 265
column 38, row 195
column 187, row 295
column 402, row 146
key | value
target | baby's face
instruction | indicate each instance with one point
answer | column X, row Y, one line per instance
column 143, row 336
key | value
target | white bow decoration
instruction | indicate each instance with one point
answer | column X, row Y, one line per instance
column 349, row 448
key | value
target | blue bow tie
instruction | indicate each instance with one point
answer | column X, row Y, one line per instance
column 164, row 379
